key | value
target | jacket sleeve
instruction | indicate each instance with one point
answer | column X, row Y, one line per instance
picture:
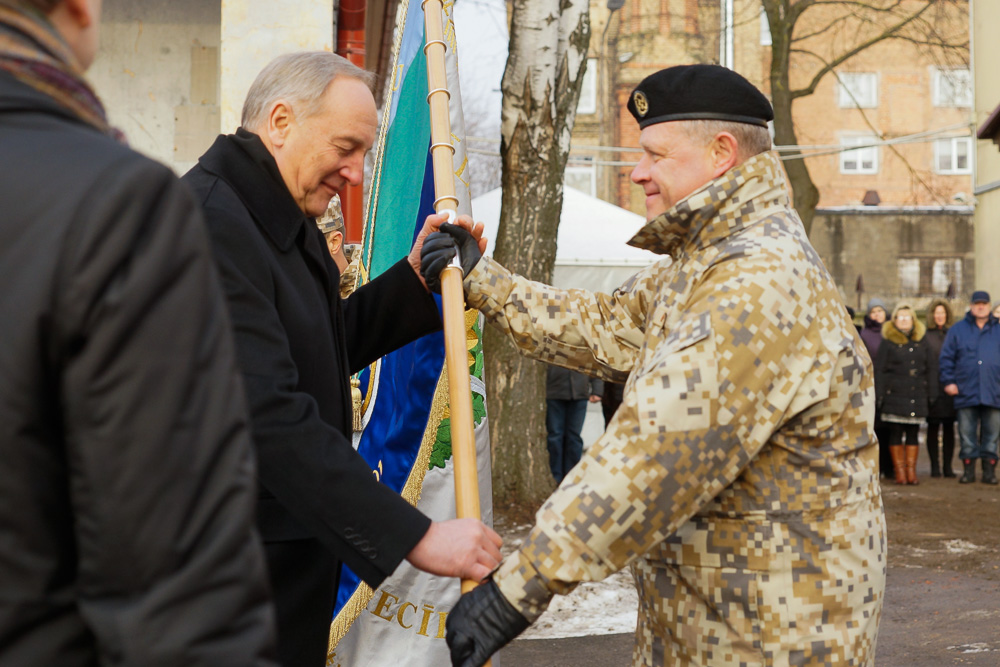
column 601, row 338
column 397, row 306
column 880, row 364
column 932, row 376
column 161, row 469
column 311, row 467
column 948, row 358
column 695, row 413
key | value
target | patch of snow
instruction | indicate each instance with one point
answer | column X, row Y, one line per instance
column 979, row 647
column 593, row 608
column 960, row 547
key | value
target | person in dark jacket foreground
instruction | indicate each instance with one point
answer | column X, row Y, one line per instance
column 126, row 470
column 941, row 415
column 905, row 385
column 970, row 372
column 308, row 120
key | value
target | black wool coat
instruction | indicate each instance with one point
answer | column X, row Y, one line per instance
column 127, row 486
column 297, row 343
column 906, row 371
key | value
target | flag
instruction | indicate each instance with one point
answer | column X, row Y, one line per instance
column 405, row 435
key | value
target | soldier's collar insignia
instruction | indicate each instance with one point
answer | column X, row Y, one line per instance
column 641, row 103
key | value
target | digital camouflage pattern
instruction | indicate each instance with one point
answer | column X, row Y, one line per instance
column 739, row 477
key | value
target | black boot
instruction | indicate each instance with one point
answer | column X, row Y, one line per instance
column 948, row 449
column 969, row 476
column 932, row 453
column 989, row 471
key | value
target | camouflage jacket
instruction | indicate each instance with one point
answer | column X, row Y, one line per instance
column 741, row 464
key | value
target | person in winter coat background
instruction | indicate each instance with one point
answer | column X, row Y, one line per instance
column 905, row 386
column 871, row 335
column 970, row 372
column 941, row 415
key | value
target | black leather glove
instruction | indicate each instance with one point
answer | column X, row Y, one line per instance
column 439, row 249
column 481, row 622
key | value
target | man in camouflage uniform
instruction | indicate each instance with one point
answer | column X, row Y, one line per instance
column 739, row 476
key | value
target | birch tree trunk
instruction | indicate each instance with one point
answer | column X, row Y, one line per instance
column 541, row 86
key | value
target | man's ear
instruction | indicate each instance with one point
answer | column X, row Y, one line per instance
column 80, row 11
column 279, row 123
column 724, row 153
column 334, row 241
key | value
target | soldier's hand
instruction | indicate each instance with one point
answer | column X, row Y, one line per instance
column 481, row 623
column 431, row 225
column 464, row 548
column 439, row 249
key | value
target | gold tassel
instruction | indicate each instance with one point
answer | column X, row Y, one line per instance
column 356, row 402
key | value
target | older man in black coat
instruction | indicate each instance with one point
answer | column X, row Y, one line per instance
column 308, row 121
column 126, row 470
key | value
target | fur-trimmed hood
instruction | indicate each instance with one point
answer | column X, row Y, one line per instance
column 892, row 334
column 949, row 317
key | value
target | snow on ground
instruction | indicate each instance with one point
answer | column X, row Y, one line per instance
column 594, row 608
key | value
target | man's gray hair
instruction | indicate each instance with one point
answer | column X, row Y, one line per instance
column 752, row 139
column 300, row 79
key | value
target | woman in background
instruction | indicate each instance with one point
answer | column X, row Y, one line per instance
column 941, row 415
column 905, row 385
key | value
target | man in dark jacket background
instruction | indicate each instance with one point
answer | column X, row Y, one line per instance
column 566, row 396
column 126, row 470
column 308, row 120
column 970, row 371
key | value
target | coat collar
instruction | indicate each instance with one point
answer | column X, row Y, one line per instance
column 245, row 164
column 891, row 333
column 741, row 197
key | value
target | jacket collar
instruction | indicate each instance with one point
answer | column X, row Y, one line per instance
column 739, row 198
column 892, row 333
column 245, row 164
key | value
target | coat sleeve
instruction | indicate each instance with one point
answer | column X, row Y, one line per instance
column 696, row 411
column 161, row 469
column 601, row 339
column 397, row 306
column 311, row 467
column 948, row 358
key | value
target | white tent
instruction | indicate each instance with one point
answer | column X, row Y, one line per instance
column 591, row 251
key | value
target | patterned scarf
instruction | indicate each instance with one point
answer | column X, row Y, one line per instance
column 34, row 53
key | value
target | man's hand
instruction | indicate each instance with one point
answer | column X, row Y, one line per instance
column 951, row 389
column 439, row 249
column 595, row 398
column 431, row 225
column 481, row 623
column 464, row 548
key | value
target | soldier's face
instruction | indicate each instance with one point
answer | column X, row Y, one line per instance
column 322, row 153
column 673, row 165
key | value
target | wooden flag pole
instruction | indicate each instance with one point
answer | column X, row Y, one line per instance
column 463, row 445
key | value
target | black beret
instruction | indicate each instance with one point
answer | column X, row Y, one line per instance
column 698, row 92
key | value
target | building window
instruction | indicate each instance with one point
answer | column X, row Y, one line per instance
column 927, row 276
column 588, row 89
column 863, row 160
column 951, row 156
column 582, row 178
column 858, row 90
column 765, row 29
column 952, row 88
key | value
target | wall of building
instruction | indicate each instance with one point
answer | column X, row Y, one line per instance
column 986, row 54
column 157, row 72
column 909, row 254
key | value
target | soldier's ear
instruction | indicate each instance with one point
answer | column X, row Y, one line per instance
column 723, row 153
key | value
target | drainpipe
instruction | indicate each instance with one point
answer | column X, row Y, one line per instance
column 727, row 51
column 351, row 45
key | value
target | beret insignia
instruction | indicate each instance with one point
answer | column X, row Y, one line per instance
column 641, row 103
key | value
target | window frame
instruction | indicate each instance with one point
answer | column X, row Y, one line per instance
column 941, row 75
column 846, row 141
column 953, row 169
column 588, row 105
column 844, row 89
